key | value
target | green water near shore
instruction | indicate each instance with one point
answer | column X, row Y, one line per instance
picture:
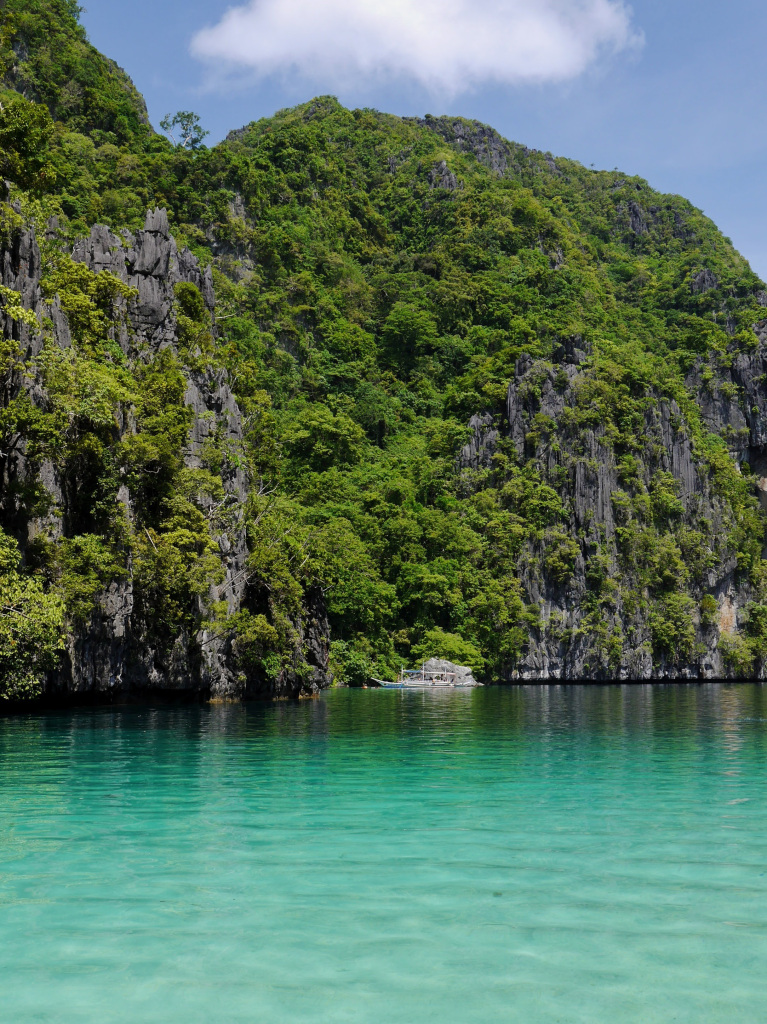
column 531, row 854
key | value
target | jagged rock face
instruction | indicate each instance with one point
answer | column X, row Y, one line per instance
column 490, row 149
column 442, row 177
column 151, row 263
column 704, row 281
column 111, row 655
column 473, row 137
column 739, row 414
column 478, row 452
column 584, row 466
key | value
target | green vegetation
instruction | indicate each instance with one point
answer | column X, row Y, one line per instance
column 45, row 56
column 184, row 129
column 31, row 626
column 376, row 288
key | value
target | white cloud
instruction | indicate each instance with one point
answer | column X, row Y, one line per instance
column 446, row 45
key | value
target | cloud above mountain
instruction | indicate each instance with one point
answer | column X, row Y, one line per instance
column 448, row 46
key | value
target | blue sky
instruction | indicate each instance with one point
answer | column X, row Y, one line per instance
column 674, row 91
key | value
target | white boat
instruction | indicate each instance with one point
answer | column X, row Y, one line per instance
column 432, row 673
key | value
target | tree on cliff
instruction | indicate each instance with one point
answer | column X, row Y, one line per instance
column 186, row 125
column 31, row 626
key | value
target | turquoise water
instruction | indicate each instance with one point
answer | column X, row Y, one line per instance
column 531, row 854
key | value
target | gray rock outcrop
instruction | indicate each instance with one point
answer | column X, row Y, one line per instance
column 590, row 478
column 478, row 452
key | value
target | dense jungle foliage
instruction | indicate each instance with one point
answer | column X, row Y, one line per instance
column 375, row 289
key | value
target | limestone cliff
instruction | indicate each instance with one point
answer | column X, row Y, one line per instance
column 597, row 616
column 113, row 653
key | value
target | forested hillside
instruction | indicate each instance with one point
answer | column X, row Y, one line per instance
column 397, row 386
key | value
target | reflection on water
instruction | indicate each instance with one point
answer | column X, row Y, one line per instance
column 531, row 853
column 651, row 709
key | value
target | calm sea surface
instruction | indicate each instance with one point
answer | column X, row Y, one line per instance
column 530, row 854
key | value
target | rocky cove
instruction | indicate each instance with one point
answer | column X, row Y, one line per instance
column 347, row 391
column 383, row 516
column 110, row 655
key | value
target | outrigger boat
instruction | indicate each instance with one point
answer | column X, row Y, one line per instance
column 420, row 678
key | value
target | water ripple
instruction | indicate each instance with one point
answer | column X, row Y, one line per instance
column 537, row 854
